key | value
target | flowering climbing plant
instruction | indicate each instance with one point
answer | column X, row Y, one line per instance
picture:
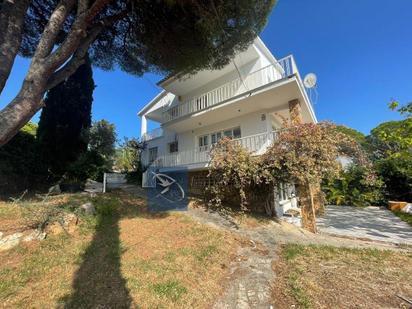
column 303, row 154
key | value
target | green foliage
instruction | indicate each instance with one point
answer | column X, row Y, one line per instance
column 359, row 137
column 306, row 153
column 127, row 160
column 392, row 139
column 397, row 175
column 20, row 164
column 170, row 36
column 403, row 110
column 98, row 159
column 127, row 156
column 391, row 143
column 102, row 138
column 90, row 164
column 354, row 187
column 404, row 217
column 232, row 169
column 30, row 128
column 65, row 119
column 172, row 290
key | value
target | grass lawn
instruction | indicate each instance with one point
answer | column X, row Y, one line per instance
column 123, row 257
column 330, row 277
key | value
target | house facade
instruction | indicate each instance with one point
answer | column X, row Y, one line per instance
column 247, row 101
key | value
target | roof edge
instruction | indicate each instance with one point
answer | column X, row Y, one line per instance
column 152, row 102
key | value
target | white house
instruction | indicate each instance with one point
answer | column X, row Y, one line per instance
column 247, row 100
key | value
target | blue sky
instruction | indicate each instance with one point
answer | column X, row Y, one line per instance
column 361, row 51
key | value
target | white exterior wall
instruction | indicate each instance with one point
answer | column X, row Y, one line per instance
column 257, row 59
column 250, row 124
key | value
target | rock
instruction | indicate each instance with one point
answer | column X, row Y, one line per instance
column 67, row 224
column 70, row 222
column 10, row 241
column 88, row 208
column 1, row 235
column 35, row 235
column 92, row 186
column 55, row 189
column 54, row 229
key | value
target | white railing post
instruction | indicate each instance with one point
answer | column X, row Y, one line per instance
column 104, row 182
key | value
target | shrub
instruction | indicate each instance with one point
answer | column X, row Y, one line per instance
column 397, row 176
column 302, row 154
column 353, row 187
column 89, row 165
column 232, row 169
column 20, row 165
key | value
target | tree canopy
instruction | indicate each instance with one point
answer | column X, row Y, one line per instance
column 167, row 36
column 65, row 119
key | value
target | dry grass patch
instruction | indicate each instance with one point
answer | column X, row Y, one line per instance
column 124, row 257
column 330, row 277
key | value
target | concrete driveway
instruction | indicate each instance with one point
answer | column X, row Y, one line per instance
column 374, row 223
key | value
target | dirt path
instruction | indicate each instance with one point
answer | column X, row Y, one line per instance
column 251, row 274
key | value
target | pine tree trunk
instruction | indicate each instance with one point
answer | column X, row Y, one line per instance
column 23, row 107
column 11, row 28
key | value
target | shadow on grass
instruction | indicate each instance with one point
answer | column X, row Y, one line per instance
column 99, row 283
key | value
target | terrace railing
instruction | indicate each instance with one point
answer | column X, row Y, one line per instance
column 158, row 132
column 283, row 68
column 256, row 144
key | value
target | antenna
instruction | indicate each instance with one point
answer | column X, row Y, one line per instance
column 310, row 82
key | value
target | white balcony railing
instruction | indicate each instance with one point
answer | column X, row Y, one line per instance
column 158, row 132
column 283, row 68
column 256, row 144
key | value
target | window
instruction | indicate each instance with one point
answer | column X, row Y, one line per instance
column 237, row 133
column 216, row 136
column 173, row 147
column 228, row 133
column 232, row 133
column 203, row 142
column 152, row 154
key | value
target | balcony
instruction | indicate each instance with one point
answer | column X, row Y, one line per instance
column 282, row 69
column 255, row 144
column 158, row 132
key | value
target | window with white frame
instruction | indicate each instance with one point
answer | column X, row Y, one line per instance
column 203, row 142
column 152, row 154
column 214, row 137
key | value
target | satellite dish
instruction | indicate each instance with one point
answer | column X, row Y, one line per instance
column 310, row 80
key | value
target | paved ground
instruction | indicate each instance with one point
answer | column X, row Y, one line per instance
column 374, row 223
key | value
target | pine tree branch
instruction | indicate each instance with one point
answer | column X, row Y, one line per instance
column 11, row 29
column 78, row 57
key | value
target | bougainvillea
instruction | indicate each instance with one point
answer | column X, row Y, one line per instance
column 232, row 168
column 303, row 154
